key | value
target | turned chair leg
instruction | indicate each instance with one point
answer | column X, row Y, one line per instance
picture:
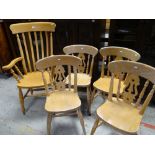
column 81, row 120
column 88, row 101
column 31, row 90
column 95, row 126
column 21, row 98
column 49, row 120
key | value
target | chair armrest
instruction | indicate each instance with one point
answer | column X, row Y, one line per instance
column 12, row 63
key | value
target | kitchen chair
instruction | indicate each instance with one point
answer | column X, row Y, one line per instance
column 101, row 86
column 125, row 111
column 63, row 98
column 87, row 54
column 35, row 41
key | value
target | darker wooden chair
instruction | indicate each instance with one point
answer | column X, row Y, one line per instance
column 125, row 111
column 35, row 41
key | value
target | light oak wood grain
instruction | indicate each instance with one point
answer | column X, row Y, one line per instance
column 87, row 54
column 63, row 99
column 126, row 111
column 30, row 39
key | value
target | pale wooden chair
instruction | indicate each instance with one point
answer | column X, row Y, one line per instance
column 63, row 99
column 35, row 41
column 125, row 111
column 101, row 86
column 87, row 54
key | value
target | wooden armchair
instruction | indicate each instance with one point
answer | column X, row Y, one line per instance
column 85, row 69
column 125, row 111
column 63, row 99
column 35, row 42
column 101, row 86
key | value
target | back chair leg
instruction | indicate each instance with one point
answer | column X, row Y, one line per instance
column 95, row 126
column 88, row 101
column 92, row 98
column 21, row 98
column 49, row 120
column 81, row 120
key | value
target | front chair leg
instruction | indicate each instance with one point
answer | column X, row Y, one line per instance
column 21, row 98
column 88, row 101
column 81, row 120
column 95, row 126
column 49, row 120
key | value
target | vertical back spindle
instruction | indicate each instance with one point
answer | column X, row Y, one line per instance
column 147, row 100
column 91, row 66
column 36, row 44
column 32, row 51
column 75, row 79
column 47, row 44
column 88, row 61
column 142, row 92
column 69, row 77
column 42, row 44
column 22, row 54
column 26, row 51
column 51, row 44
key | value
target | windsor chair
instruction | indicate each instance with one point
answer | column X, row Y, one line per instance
column 101, row 86
column 125, row 111
column 35, row 41
column 87, row 54
column 63, row 99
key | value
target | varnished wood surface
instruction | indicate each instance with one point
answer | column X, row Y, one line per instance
column 103, row 84
column 126, row 110
column 62, row 101
column 32, row 26
column 122, row 116
column 83, row 79
column 33, row 80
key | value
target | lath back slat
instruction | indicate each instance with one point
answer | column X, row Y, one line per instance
column 22, row 54
column 112, row 53
column 86, row 53
column 32, row 51
column 42, row 44
column 47, row 44
column 135, row 73
column 61, row 63
column 51, row 44
column 26, row 51
column 34, row 43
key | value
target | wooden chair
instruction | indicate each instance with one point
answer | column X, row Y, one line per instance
column 85, row 69
column 63, row 99
column 35, row 42
column 101, row 86
column 125, row 111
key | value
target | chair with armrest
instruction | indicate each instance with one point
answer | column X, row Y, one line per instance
column 35, row 41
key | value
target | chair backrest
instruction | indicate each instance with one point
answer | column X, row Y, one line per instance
column 58, row 67
column 86, row 53
column 135, row 75
column 116, row 53
column 35, row 41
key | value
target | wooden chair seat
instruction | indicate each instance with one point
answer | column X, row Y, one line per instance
column 82, row 79
column 103, row 84
column 33, row 80
column 62, row 101
column 120, row 115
